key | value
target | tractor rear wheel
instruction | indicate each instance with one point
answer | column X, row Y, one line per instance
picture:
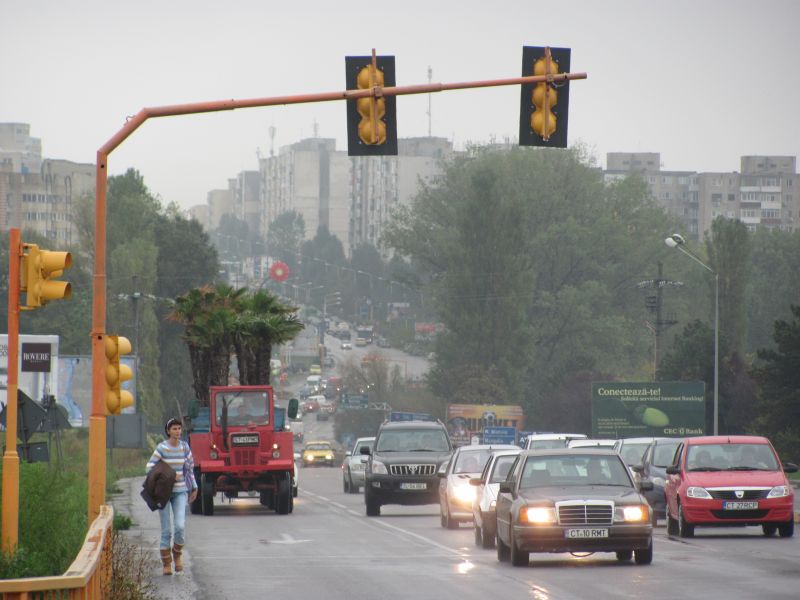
column 206, row 495
column 283, row 497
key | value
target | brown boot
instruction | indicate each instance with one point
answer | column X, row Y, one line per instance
column 166, row 560
column 177, row 551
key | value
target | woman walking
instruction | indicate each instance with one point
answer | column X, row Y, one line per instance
column 177, row 454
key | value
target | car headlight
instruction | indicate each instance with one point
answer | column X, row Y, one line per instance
column 379, row 468
column 329, row 457
column 659, row 481
column 698, row 492
column 537, row 515
column 493, row 504
column 636, row 513
column 779, row 491
column 464, row 493
column 309, row 457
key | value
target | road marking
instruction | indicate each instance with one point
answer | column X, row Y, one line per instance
column 287, row 539
column 458, row 553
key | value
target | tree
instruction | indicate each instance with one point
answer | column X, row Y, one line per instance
column 285, row 237
column 531, row 261
column 779, row 394
column 262, row 322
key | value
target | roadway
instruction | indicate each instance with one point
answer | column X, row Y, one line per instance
column 329, row 549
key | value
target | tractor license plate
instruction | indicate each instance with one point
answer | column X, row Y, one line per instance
column 586, row 533
column 740, row 505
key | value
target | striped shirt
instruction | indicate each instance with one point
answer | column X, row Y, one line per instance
column 180, row 459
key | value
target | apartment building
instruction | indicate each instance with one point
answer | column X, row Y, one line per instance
column 763, row 193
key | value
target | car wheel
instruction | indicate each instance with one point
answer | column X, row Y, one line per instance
column 519, row 558
column 654, row 517
column 345, row 485
column 451, row 522
column 478, row 536
column 488, row 536
column 644, row 556
column 624, row 554
column 503, row 551
column 672, row 524
column 769, row 529
column 786, row 530
column 685, row 529
column 373, row 506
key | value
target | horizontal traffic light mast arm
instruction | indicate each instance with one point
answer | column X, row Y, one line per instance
column 220, row 105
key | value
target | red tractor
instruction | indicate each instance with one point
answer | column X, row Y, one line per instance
column 246, row 448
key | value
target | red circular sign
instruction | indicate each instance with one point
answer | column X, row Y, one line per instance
column 279, row 271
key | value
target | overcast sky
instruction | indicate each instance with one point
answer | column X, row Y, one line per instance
column 703, row 83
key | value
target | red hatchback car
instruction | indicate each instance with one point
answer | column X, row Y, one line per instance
column 729, row 480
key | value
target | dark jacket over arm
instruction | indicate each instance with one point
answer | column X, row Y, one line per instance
column 157, row 486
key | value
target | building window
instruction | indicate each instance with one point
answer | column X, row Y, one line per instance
column 749, row 213
column 770, row 213
column 731, row 197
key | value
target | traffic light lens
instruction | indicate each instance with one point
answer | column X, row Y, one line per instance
column 363, row 79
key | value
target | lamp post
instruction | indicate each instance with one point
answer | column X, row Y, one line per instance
column 677, row 241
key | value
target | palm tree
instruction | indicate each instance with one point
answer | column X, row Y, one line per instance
column 264, row 322
column 209, row 315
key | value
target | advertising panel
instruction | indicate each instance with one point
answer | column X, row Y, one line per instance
column 648, row 409
column 467, row 420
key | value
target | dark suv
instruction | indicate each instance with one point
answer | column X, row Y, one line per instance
column 403, row 465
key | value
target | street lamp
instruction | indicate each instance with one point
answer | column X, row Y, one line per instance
column 677, row 241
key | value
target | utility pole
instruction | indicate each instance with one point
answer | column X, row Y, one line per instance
column 655, row 302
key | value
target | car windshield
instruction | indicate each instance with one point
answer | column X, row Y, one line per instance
column 574, row 470
column 318, row 447
column 633, row 453
column 546, row 444
column 664, row 453
column 363, row 444
column 413, row 440
column 471, row 461
column 243, row 407
column 501, row 468
column 731, row 457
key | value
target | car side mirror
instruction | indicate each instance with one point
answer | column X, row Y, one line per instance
column 476, row 481
column 646, row 486
column 637, row 468
column 505, row 487
column 348, row 453
column 673, row 470
column 365, row 451
column 789, row 467
column 291, row 410
column 441, row 474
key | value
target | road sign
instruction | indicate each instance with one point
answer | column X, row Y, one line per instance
column 499, row 435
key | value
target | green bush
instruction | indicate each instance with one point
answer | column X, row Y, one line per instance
column 131, row 571
column 122, row 522
column 52, row 522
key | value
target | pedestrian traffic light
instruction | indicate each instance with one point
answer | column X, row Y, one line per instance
column 371, row 122
column 544, row 106
column 38, row 275
column 116, row 373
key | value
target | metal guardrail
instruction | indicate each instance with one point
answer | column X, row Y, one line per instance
column 87, row 577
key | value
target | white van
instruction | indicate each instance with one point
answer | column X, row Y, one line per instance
column 314, row 381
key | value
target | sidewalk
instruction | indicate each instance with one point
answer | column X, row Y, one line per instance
column 145, row 532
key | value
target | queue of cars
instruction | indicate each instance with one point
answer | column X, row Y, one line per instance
column 575, row 494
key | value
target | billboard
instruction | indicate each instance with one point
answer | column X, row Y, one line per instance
column 467, row 420
column 648, row 409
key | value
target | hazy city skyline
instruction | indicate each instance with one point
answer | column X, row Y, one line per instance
column 703, row 83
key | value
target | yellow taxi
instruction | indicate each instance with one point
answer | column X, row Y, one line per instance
column 361, row 341
column 315, row 370
column 318, row 452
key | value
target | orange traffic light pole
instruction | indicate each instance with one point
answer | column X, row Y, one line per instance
column 10, row 457
column 97, row 422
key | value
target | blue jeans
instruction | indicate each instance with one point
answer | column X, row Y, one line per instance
column 177, row 503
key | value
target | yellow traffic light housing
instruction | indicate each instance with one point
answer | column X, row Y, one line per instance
column 38, row 275
column 544, row 106
column 116, row 373
column 372, row 121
